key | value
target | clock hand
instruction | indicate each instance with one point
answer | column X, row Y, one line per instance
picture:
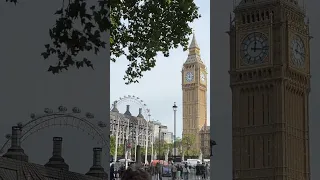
column 298, row 52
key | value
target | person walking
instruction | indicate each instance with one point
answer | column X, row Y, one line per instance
column 181, row 171
column 178, row 174
column 186, row 172
column 112, row 172
column 203, row 171
column 174, row 172
column 159, row 171
column 198, row 171
column 207, row 171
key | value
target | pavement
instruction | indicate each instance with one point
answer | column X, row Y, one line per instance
column 192, row 176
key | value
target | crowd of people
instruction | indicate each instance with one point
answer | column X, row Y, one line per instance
column 146, row 172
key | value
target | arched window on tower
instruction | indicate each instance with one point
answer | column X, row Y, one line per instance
column 243, row 19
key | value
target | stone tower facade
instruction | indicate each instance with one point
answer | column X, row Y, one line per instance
column 194, row 87
column 270, row 83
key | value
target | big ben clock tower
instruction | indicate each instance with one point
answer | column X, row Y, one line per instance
column 194, row 87
column 270, row 83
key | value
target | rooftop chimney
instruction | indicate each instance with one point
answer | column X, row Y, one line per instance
column 140, row 113
column 15, row 151
column 115, row 107
column 96, row 169
column 128, row 111
column 57, row 161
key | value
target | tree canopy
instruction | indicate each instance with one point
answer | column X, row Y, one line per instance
column 138, row 31
column 187, row 143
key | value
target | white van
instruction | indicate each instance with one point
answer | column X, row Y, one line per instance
column 207, row 161
column 193, row 162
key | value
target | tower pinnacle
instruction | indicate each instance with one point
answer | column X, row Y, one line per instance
column 194, row 51
column 194, row 43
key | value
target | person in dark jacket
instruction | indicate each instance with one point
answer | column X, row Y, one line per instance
column 135, row 174
column 181, row 171
column 203, row 171
column 198, row 171
column 112, row 172
column 159, row 170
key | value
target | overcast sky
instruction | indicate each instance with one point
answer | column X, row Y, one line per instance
column 161, row 87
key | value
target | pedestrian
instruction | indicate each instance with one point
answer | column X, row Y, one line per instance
column 159, row 171
column 207, row 171
column 203, row 171
column 181, row 171
column 174, row 171
column 121, row 170
column 186, row 172
column 198, row 171
column 135, row 174
column 178, row 173
column 112, row 171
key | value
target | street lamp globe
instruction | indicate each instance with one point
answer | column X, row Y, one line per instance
column 174, row 107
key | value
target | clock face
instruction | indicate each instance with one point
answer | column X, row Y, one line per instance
column 254, row 48
column 202, row 77
column 189, row 76
column 297, row 51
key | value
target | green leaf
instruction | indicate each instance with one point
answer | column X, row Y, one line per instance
column 151, row 27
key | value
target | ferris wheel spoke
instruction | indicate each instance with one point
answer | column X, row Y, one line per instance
column 60, row 119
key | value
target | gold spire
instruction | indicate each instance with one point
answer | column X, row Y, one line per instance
column 194, row 47
column 194, row 51
column 194, row 43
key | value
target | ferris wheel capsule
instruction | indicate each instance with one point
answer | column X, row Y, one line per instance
column 76, row 110
column 102, row 124
column 62, row 109
column 32, row 115
column 8, row 136
column 19, row 124
column 89, row 115
column 48, row 111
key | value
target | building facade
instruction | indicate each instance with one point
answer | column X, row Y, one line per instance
column 205, row 141
column 194, row 90
column 168, row 137
column 270, row 83
column 136, row 129
column 130, row 127
column 14, row 164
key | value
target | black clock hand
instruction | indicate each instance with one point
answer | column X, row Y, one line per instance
column 298, row 52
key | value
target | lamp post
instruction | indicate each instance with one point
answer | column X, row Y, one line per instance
column 127, row 144
column 117, row 137
column 174, row 107
column 152, row 141
column 159, row 140
column 136, row 143
column 147, row 140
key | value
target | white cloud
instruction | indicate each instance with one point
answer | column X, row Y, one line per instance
column 161, row 87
